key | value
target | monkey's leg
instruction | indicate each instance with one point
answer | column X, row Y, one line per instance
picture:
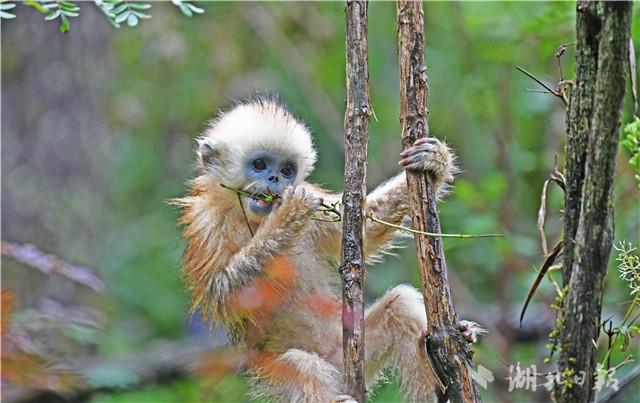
column 298, row 376
column 393, row 329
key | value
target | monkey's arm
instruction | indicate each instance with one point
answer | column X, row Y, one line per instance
column 276, row 235
column 389, row 202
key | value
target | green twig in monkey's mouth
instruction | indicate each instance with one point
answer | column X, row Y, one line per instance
column 326, row 209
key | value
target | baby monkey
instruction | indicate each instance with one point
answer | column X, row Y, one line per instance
column 262, row 262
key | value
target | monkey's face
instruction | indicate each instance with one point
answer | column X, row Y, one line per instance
column 268, row 173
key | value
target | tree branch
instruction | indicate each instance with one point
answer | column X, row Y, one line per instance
column 356, row 122
column 603, row 30
column 448, row 350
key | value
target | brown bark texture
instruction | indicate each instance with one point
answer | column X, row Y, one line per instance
column 602, row 50
column 356, row 122
column 448, row 351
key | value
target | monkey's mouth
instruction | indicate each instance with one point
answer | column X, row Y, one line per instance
column 261, row 203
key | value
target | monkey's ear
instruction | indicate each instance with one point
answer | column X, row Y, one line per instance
column 209, row 152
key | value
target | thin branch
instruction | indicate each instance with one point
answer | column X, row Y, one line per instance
column 356, row 137
column 244, row 214
column 440, row 235
column 31, row 256
column 550, row 90
column 558, row 57
column 557, row 177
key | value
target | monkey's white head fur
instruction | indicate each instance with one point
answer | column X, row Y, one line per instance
column 257, row 123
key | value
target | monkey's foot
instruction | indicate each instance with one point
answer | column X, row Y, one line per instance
column 431, row 155
column 344, row 399
column 471, row 330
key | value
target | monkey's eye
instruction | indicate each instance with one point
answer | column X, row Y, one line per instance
column 259, row 164
column 288, row 169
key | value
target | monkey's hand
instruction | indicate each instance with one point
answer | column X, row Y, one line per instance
column 291, row 216
column 431, row 155
column 471, row 330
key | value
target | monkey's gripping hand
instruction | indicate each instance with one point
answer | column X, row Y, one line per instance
column 431, row 155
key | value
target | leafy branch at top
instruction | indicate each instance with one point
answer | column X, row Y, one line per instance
column 119, row 12
column 116, row 11
column 187, row 7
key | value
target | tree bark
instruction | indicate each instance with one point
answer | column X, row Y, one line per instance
column 603, row 30
column 449, row 352
column 356, row 122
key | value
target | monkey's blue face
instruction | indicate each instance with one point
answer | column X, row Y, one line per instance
column 269, row 174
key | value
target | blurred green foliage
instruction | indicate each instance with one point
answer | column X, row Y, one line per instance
column 162, row 80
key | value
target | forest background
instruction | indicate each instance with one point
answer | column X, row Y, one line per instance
column 97, row 133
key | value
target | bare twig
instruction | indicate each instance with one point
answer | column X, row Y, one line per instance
column 550, row 90
column 558, row 56
column 31, row 256
column 440, row 235
column 557, row 177
column 244, row 214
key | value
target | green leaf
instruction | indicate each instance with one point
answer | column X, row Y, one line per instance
column 53, row 15
column 36, row 5
column 50, row 6
column 67, row 6
column 142, row 16
column 185, row 10
column 139, row 6
column 132, row 20
column 122, row 17
column 3, row 8
column 70, row 13
column 195, row 9
column 120, row 8
column 64, row 25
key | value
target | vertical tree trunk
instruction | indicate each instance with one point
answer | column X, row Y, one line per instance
column 449, row 352
column 356, row 122
column 603, row 30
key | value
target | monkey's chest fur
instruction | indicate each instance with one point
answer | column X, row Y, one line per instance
column 304, row 309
